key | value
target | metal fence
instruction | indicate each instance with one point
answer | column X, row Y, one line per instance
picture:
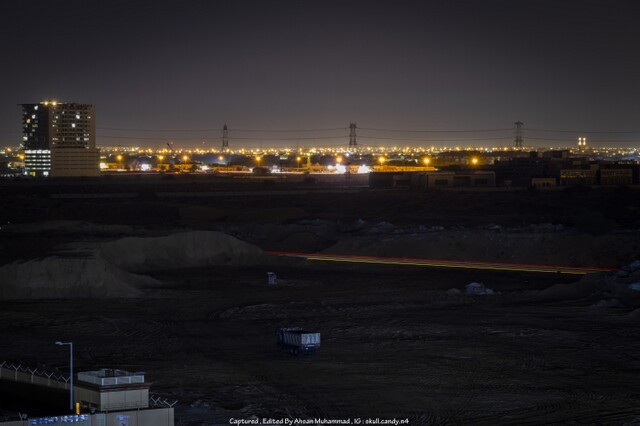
column 34, row 372
column 156, row 401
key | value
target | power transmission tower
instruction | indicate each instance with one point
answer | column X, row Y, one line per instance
column 518, row 141
column 225, row 138
column 353, row 143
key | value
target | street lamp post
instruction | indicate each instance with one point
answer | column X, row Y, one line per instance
column 59, row 343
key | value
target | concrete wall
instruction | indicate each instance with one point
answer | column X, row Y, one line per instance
column 48, row 391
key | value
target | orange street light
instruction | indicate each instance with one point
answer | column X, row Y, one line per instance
column 474, row 161
column 382, row 160
column 426, row 161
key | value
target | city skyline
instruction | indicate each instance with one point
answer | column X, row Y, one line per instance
column 286, row 65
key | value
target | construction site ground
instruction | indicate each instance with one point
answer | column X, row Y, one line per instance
column 395, row 344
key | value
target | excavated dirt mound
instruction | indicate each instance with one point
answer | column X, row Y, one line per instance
column 182, row 250
column 68, row 278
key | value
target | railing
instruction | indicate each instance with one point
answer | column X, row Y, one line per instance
column 95, row 378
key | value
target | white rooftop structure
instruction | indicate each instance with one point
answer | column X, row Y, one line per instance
column 111, row 377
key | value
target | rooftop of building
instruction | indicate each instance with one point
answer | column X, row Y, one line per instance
column 108, row 377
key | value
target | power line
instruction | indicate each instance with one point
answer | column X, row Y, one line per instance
column 579, row 131
column 437, row 131
column 200, row 139
column 230, row 129
column 435, row 140
column 157, row 130
column 289, row 130
column 592, row 140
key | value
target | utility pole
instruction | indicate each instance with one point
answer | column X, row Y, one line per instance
column 70, row 344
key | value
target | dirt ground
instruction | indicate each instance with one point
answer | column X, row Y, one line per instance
column 395, row 342
column 394, row 345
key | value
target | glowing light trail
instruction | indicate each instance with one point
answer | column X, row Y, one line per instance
column 439, row 263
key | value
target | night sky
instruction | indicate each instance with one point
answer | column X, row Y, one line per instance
column 316, row 65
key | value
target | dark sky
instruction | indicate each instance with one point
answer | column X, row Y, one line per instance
column 408, row 65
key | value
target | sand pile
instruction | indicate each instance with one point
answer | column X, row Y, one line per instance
column 64, row 277
column 600, row 290
column 181, row 250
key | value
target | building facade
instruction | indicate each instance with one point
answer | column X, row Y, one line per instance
column 62, row 135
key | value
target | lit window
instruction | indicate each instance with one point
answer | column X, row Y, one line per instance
column 73, row 125
column 35, row 108
column 77, row 117
column 33, row 116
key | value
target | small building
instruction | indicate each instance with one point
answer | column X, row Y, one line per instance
column 105, row 397
column 616, row 176
column 386, row 180
column 544, row 182
column 581, row 177
column 454, row 179
column 109, row 390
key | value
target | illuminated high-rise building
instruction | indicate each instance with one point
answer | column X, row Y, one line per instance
column 59, row 139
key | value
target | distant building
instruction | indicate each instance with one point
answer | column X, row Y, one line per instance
column 59, row 139
column 621, row 177
column 458, row 179
column 543, row 182
column 578, row 177
column 433, row 179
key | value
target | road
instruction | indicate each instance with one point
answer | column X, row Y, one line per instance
column 440, row 263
